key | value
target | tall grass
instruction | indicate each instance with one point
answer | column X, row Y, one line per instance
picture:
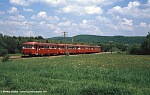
column 95, row 74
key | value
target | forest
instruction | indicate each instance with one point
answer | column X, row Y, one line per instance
column 131, row 45
column 104, row 39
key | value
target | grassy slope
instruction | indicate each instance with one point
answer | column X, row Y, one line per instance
column 102, row 74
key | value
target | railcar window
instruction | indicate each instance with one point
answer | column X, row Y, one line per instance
column 53, row 47
column 40, row 46
column 28, row 46
column 61, row 47
column 45, row 46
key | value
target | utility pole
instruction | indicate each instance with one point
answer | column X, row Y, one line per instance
column 65, row 33
column 72, row 39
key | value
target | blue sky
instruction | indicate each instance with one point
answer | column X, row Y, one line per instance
column 49, row 18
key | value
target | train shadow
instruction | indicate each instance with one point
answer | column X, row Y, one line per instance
column 34, row 56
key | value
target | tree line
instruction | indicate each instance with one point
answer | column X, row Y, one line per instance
column 136, row 49
column 13, row 44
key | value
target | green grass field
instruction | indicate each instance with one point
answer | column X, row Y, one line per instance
column 94, row 74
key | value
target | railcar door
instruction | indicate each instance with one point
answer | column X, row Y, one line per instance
column 37, row 48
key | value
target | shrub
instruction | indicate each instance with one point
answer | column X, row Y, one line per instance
column 3, row 52
column 136, row 49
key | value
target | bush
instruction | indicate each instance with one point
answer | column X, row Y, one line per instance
column 136, row 49
column 3, row 52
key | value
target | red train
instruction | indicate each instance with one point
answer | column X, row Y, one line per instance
column 35, row 48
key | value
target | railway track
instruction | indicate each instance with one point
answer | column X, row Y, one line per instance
column 54, row 56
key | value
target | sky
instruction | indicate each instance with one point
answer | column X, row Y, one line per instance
column 50, row 18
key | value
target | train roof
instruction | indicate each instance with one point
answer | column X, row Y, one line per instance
column 39, row 43
column 30, row 43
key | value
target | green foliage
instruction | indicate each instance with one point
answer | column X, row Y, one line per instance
column 3, row 51
column 136, row 49
column 13, row 44
column 146, row 45
column 94, row 74
column 103, row 39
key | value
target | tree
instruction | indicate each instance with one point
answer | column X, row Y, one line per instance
column 11, row 44
column 3, row 51
column 135, row 49
column 146, row 45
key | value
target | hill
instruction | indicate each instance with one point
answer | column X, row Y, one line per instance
column 104, row 39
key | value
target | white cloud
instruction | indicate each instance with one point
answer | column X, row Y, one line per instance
column 17, row 18
column 10, row 27
column 148, row 25
column 143, row 24
column 53, row 2
column 89, row 28
column 81, row 10
column 90, row 22
column 19, row 2
column 103, row 20
column 108, row 24
column 70, row 9
column 43, row 15
column 28, row 10
column 41, row 23
column 65, row 24
column 133, row 9
column 84, row 21
column 29, row 33
column 133, row 4
column 93, row 10
column 70, row 6
column 51, row 26
column 76, row 17
column 13, row 10
column 84, row 27
column 127, row 22
column 93, row 2
column 64, row 2
column 2, row 12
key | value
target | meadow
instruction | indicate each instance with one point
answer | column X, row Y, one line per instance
column 92, row 74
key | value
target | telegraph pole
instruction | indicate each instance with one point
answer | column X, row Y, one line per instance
column 72, row 39
column 65, row 33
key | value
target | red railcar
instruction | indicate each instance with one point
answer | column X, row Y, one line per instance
column 35, row 48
